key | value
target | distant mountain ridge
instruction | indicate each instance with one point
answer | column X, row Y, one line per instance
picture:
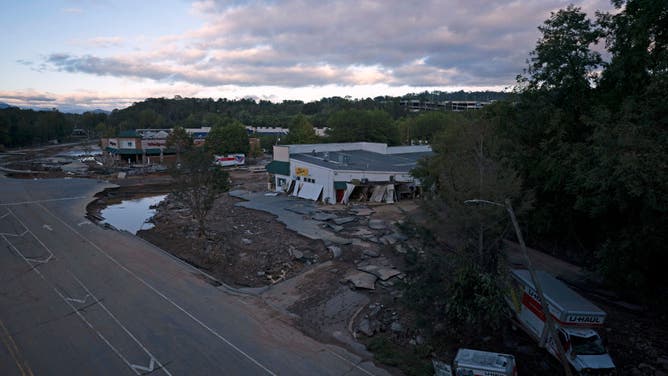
column 68, row 109
column 4, row 105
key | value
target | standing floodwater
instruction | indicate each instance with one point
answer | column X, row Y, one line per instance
column 131, row 215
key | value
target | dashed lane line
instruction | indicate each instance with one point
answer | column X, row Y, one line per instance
column 152, row 359
column 161, row 294
column 74, row 309
column 42, row 201
column 10, row 344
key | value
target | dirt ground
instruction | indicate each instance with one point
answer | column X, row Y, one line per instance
column 242, row 247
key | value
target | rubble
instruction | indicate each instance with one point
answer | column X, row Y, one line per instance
column 362, row 280
column 368, row 327
column 383, row 273
column 320, row 216
column 336, row 251
column 377, row 224
column 344, row 220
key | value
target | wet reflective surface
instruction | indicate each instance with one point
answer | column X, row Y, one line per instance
column 131, row 215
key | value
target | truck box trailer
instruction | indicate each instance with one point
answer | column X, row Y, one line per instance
column 469, row 362
column 575, row 318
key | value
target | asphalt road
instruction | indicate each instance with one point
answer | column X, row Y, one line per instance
column 78, row 299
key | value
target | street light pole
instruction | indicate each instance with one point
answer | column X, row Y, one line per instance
column 534, row 278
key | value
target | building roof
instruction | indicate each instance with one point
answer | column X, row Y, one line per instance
column 279, row 168
column 362, row 160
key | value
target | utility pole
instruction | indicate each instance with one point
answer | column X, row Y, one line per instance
column 549, row 321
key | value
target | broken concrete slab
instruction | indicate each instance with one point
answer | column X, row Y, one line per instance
column 296, row 254
column 377, row 224
column 320, row 216
column 362, row 232
column 388, row 239
column 300, row 210
column 362, row 280
column 335, row 228
column 344, row 220
column 383, row 273
column 339, row 240
column 368, row 327
column 362, row 212
column 370, row 253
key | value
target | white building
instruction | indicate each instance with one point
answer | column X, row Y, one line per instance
column 337, row 172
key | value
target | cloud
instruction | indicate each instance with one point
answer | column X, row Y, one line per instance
column 335, row 44
column 104, row 42
column 73, row 10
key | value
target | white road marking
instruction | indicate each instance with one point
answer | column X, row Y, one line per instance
column 74, row 309
column 151, row 366
column 83, row 223
column 39, row 261
column 14, row 235
column 41, row 201
column 80, row 301
column 68, row 301
column 162, row 295
column 47, row 227
column 113, row 317
column 351, row 362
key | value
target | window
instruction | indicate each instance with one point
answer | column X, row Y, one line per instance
column 309, row 180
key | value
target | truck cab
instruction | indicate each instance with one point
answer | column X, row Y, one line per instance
column 584, row 350
column 575, row 320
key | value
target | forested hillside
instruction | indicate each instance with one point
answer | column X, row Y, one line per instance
column 582, row 152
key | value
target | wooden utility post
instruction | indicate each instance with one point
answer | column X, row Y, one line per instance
column 549, row 321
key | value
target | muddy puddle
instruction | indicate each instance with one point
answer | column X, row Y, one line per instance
column 131, row 215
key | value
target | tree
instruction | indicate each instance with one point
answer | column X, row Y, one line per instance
column 232, row 138
column 426, row 125
column 637, row 38
column 467, row 165
column 552, row 126
column 562, row 62
column 363, row 125
column 197, row 184
column 301, row 131
column 180, row 141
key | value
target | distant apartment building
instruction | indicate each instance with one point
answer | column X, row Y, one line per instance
column 416, row 105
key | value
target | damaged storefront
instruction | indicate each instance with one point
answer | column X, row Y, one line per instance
column 346, row 172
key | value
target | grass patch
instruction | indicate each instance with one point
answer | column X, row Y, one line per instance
column 413, row 361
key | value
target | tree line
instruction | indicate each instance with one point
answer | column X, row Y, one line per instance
column 581, row 152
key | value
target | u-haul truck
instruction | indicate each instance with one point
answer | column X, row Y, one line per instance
column 477, row 363
column 230, row 160
column 576, row 320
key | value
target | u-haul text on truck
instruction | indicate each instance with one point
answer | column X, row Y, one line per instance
column 576, row 320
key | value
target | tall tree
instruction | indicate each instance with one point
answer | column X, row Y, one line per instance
column 180, row 141
column 197, row 184
column 301, row 131
column 361, row 125
column 467, row 165
column 563, row 62
column 232, row 138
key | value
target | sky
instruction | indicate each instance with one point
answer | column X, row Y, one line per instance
column 106, row 54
